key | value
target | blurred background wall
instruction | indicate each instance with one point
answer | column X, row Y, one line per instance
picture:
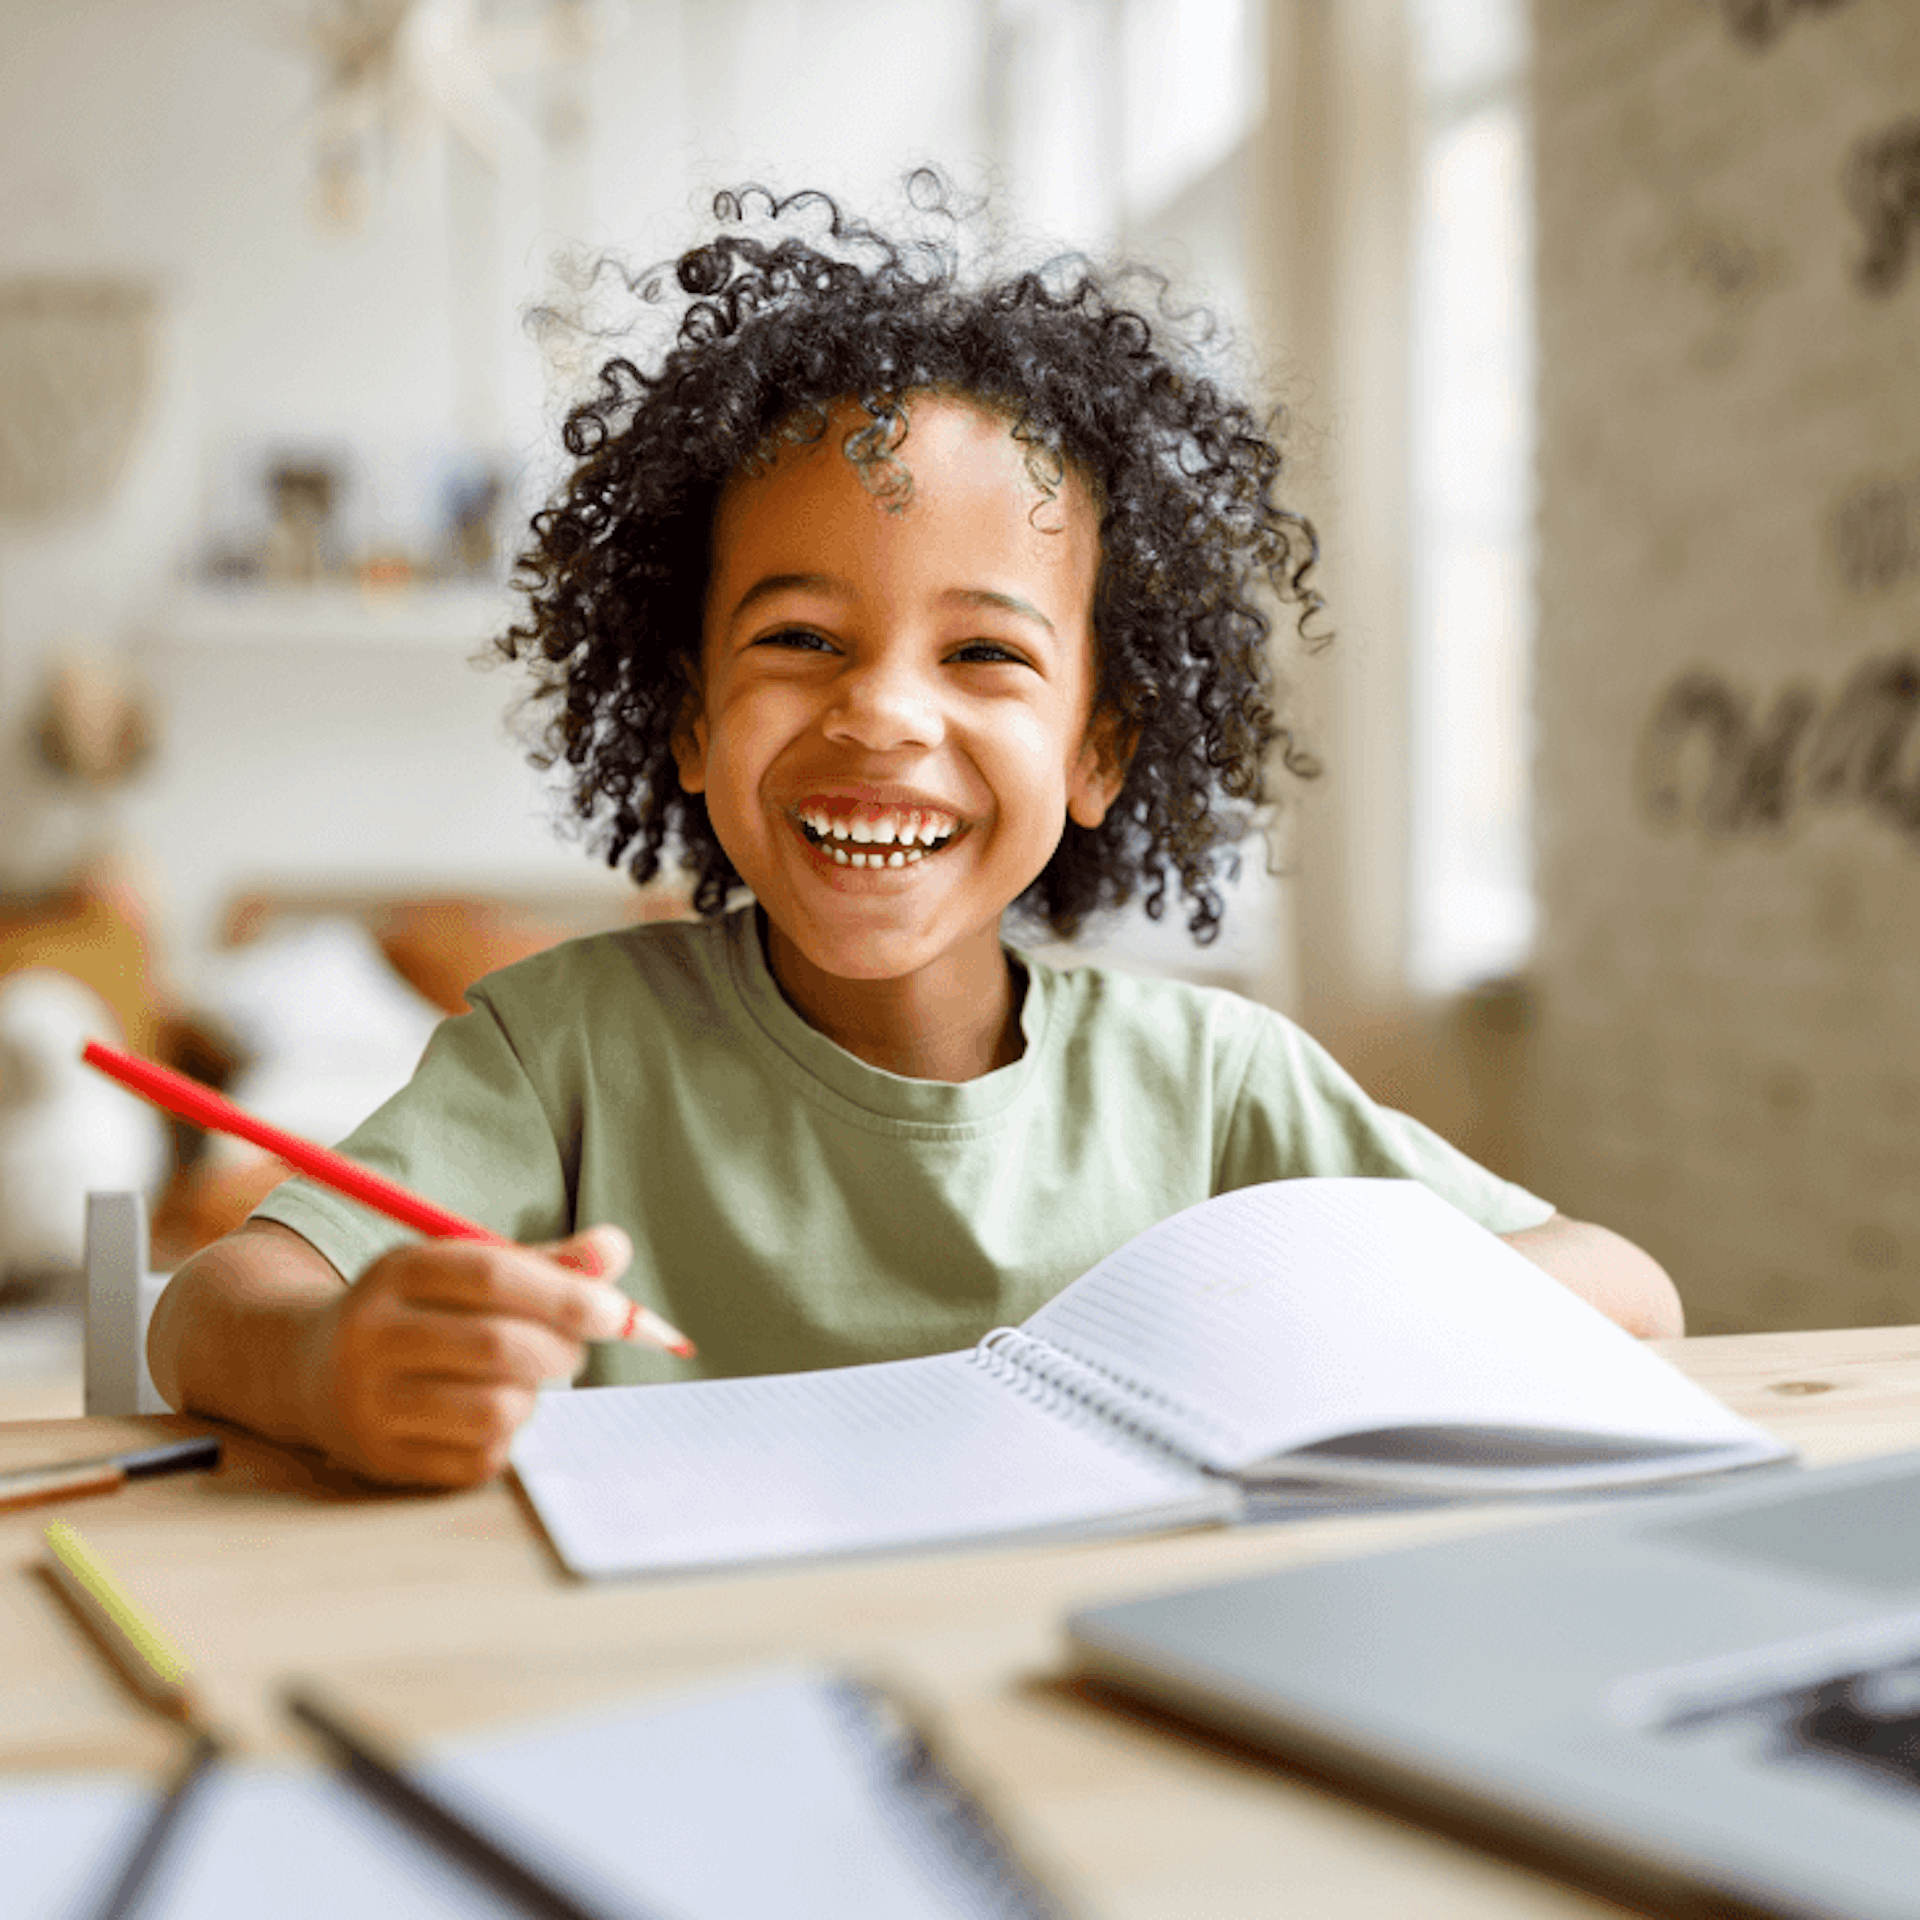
column 1727, row 674
column 326, row 222
column 1593, row 325
column 303, row 239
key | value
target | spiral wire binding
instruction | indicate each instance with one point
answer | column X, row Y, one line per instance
column 940, row 1822
column 1040, row 1371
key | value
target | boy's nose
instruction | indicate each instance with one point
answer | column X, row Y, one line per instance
column 882, row 706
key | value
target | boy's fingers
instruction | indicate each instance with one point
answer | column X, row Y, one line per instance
column 606, row 1252
column 427, row 1461
column 469, row 1413
column 522, row 1281
column 602, row 1253
column 539, row 1283
column 441, row 1343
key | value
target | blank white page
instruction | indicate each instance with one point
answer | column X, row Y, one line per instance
column 64, row 1836
column 257, row 1843
column 757, row 1797
column 1290, row 1313
column 845, row 1460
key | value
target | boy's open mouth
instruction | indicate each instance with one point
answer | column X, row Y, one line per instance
column 899, row 839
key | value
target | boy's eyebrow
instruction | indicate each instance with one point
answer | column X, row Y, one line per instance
column 826, row 583
column 789, row 582
column 1007, row 602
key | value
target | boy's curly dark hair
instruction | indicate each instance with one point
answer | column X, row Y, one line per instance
column 774, row 328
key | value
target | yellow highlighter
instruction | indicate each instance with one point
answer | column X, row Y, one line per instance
column 136, row 1642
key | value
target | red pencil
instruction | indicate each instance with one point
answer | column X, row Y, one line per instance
column 180, row 1094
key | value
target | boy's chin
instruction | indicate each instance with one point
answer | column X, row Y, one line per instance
column 876, row 953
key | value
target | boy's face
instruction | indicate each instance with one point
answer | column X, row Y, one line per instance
column 893, row 722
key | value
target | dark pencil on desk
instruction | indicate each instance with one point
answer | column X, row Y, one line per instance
column 20, row 1486
column 384, row 1778
column 129, row 1887
column 181, row 1094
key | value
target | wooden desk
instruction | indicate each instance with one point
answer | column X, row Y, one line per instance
column 447, row 1611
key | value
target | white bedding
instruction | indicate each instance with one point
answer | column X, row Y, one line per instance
column 330, row 1029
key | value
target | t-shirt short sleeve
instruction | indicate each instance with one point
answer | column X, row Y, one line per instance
column 469, row 1131
column 792, row 1206
column 1294, row 1109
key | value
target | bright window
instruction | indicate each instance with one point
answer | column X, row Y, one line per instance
column 1472, row 435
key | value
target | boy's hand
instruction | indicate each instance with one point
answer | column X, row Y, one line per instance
column 427, row 1366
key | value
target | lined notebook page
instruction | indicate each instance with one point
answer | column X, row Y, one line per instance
column 1289, row 1313
column 847, row 1460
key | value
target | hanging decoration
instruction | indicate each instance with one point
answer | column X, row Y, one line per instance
column 394, row 74
column 76, row 363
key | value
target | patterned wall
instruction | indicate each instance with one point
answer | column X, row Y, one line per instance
column 1727, row 1057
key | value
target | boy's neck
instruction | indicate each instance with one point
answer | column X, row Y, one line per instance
column 954, row 1021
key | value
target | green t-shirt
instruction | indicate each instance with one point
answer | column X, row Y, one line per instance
column 793, row 1207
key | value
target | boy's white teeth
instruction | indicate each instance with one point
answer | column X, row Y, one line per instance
column 899, row 831
column 896, row 858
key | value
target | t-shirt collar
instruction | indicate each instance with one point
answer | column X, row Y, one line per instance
column 892, row 1095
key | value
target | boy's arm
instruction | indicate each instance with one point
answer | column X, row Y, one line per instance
column 419, row 1374
column 1608, row 1272
column 234, row 1330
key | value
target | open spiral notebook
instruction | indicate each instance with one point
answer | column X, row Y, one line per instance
column 1319, row 1341
column 791, row 1794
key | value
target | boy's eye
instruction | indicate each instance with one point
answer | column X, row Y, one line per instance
column 801, row 639
column 989, row 651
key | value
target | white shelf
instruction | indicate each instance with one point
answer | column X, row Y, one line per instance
column 424, row 616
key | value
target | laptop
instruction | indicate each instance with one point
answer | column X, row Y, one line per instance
column 1676, row 1696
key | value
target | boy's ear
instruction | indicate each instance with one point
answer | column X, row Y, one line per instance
column 689, row 737
column 1101, row 770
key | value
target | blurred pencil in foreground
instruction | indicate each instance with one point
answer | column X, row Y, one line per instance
column 142, row 1650
column 130, row 1636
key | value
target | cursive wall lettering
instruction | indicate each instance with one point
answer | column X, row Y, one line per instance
column 1875, row 532
column 1759, row 23
column 1707, row 756
column 1882, row 184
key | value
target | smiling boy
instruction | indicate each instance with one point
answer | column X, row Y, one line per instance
column 985, row 635
column 870, row 670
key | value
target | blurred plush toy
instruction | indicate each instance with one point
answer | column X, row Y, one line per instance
column 65, row 1130
column 95, row 724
